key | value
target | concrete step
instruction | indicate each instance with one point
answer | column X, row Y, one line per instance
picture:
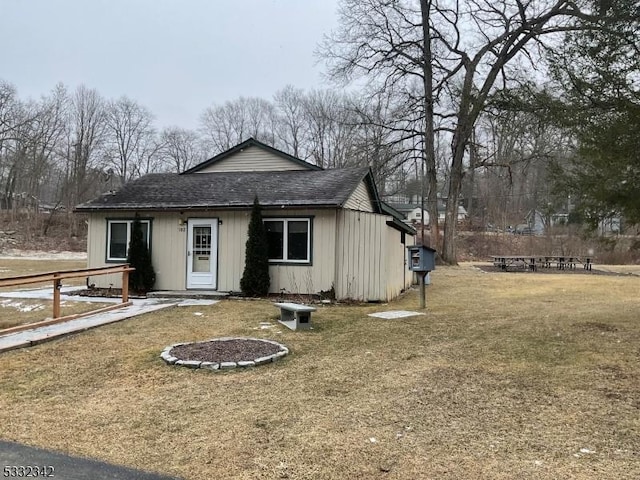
column 198, row 294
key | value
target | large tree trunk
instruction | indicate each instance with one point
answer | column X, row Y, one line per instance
column 449, row 251
column 429, row 131
column 458, row 147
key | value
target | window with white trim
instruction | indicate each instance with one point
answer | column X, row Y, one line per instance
column 119, row 236
column 289, row 239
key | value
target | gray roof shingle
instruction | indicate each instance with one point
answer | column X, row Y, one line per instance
column 167, row 191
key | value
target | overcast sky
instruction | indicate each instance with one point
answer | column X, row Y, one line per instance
column 176, row 57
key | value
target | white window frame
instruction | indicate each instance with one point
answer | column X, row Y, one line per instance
column 285, row 239
column 129, row 223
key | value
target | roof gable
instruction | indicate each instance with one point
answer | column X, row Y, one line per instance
column 251, row 156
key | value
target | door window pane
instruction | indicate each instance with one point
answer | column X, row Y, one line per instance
column 202, row 249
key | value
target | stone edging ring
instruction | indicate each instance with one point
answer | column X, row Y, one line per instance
column 224, row 353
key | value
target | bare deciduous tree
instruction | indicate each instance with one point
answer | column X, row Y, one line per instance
column 472, row 49
column 129, row 133
column 292, row 129
column 180, row 149
column 332, row 129
column 224, row 126
column 86, row 132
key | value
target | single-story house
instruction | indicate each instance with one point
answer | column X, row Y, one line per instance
column 326, row 229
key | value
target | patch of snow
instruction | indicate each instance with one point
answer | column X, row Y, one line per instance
column 16, row 254
column 21, row 307
column 191, row 302
column 583, row 451
column 373, row 440
column 393, row 314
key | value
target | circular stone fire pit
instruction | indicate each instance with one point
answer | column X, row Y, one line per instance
column 224, row 353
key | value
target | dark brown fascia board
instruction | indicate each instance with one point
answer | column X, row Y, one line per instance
column 401, row 226
column 373, row 190
column 386, row 208
column 246, row 144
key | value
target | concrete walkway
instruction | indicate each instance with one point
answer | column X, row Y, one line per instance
column 38, row 335
column 64, row 467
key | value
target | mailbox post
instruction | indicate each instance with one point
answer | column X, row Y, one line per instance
column 422, row 259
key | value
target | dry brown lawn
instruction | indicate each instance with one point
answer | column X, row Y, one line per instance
column 12, row 267
column 506, row 376
column 16, row 311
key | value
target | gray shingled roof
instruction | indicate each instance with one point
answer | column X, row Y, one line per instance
column 319, row 188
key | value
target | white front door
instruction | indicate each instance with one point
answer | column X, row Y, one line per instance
column 202, row 253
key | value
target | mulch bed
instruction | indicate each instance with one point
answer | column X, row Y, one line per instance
column 103, row 293
column 216, row 351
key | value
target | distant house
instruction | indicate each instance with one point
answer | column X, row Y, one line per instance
column 413, row 213
column 326, row 229
column 610, row 225
column 536, row 221
column 415, row 216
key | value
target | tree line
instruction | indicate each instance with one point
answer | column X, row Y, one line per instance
column 69, row 146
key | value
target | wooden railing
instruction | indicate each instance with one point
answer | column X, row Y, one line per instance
column 56, row 278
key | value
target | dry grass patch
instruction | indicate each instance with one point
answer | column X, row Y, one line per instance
column 508, row 376
column 13, row 266
column 18, row 311
column 15, row 311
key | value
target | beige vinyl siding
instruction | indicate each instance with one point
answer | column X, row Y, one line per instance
column 252, row 159
column 232, row 239
column 321, row 274
column 169, row 245
column 301, row 279
column 360, row 199
column 361, row 266
column 399, row 277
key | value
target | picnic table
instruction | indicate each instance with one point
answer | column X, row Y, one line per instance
column 533, row 262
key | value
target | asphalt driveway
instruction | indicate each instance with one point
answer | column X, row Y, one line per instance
column 59, row 466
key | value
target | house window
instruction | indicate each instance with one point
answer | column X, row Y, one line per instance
column 119, row 236
column 289, row 239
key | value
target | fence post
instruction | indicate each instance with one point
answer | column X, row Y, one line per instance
column 57, row 284
column 125, row 285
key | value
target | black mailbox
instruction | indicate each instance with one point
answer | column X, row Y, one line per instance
column 421, row 258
